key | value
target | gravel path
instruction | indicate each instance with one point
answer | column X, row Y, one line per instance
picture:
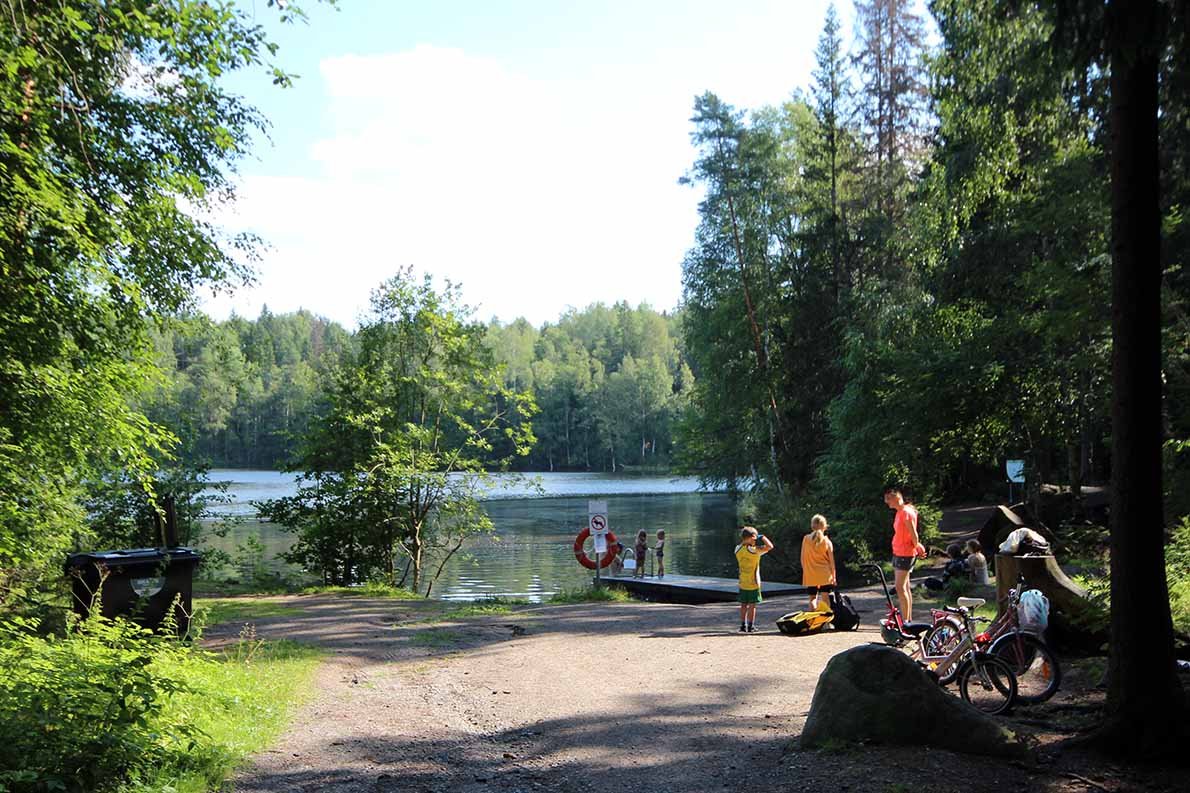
column 616, row 697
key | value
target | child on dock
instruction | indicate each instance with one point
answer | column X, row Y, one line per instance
column 660, row 551
column 641, row 550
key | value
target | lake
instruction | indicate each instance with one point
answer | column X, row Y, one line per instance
column 530, row 555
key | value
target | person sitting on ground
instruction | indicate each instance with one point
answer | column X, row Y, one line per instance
column 818, row 562
column 977, row 563
column 956, row 567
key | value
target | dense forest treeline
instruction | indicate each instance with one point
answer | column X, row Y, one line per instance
column 609, row 383
column 904, row 272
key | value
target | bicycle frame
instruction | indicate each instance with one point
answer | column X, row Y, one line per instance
column 893, row 619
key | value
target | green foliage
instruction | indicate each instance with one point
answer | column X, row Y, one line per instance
column 1177, row 574
column 937, row 303
column 109, row 706
column 394, row 469
column 239, row 393
column 126, row 512
column 82, row 711
column 240, row 701
column 609, row 383
column 116, row 138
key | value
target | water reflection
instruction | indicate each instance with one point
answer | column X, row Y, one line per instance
column 530, row 556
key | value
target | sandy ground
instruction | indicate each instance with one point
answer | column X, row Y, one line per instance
column 617, row 697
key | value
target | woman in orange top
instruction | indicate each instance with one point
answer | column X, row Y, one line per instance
column 818, row 559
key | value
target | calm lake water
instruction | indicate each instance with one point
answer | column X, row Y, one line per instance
column 530, row 555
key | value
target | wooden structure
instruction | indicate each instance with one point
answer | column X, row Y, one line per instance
column 1072, row 613
column 694, row 589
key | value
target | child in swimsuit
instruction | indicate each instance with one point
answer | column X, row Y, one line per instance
column 641, row 550
column 660, row 551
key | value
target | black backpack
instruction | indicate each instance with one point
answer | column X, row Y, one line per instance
column 846, row 617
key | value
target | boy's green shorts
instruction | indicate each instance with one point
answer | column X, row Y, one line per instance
column 750, row 596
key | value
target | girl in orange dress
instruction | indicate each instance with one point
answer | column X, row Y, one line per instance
column 818, row 561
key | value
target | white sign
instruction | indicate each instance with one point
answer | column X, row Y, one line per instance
column 600, row 544
column 1016, row 470
column 597, row 518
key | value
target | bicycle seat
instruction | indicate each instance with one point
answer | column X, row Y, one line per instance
column 971, row 603
column 917, row 628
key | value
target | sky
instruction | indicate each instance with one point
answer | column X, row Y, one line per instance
column 529, row 150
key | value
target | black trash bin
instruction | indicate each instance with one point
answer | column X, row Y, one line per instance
column 140, row 584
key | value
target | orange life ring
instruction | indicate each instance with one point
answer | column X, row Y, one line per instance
column 581, row 555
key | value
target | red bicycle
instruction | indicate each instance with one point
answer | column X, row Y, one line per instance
column 1037, row 670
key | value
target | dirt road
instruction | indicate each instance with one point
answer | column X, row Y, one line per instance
column 616, row 697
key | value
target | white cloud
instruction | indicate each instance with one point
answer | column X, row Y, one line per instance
column 535, row 187
column 533, row 194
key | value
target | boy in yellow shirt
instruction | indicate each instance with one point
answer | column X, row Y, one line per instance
column 752, row 546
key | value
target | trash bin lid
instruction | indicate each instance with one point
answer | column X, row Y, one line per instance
column 133, row 556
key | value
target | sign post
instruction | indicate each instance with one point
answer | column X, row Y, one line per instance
column 1016, row 473
column 597, row 522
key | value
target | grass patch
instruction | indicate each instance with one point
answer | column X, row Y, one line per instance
column 215, row 611
column 435, row 638
column 591, row 595
column 369, row 589
column 482, row 608
column 232, row 588
column 838, row 746
column 925, row 599
column 240, row 699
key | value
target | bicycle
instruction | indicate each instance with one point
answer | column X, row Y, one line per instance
column 984, row 680
column 1038, row 672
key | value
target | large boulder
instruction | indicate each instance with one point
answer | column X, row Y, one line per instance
column 878, row 694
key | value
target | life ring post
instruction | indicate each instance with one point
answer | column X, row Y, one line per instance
column 601, row 560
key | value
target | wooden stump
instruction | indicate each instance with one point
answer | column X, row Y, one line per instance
column 1001, row 523
column 1072, row 613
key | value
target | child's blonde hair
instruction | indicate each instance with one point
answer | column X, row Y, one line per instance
column 818, row 527
column 661, row 534
column 748, row 531
column 642, row 534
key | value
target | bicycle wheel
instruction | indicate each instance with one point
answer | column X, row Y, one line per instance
column 1038, row 674
column 939, row 642
column 988, row 683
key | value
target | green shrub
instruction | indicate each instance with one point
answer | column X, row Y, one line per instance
column 239, row 700
column 1177, row 574
column 83, row 711
column 109, row 706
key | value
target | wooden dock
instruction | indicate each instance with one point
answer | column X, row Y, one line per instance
column 695, row 589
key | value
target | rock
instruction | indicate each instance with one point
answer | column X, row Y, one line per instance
column 878, row 694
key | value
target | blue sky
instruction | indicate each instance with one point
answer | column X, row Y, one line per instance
column 528, row 150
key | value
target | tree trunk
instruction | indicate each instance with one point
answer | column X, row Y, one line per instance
column 415, row 551
column 1144, row 698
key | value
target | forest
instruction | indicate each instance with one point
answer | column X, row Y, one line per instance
column 964, row 241
column 903, row 274
column 609, row 382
